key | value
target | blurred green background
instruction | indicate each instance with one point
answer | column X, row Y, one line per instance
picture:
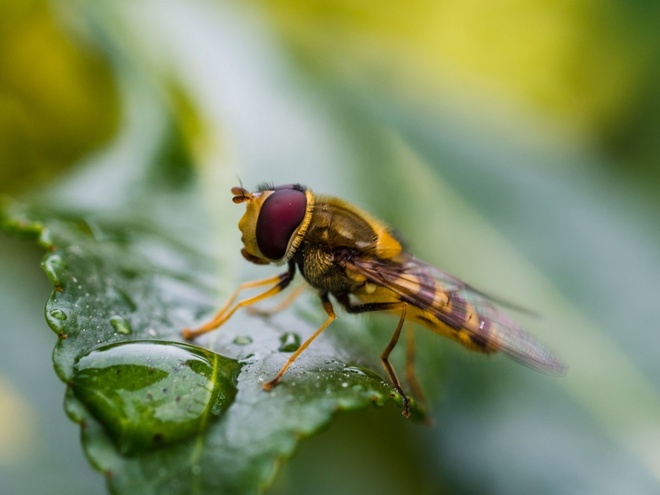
column 514, row 144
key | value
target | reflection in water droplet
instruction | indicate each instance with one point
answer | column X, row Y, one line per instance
column 121, row 325
column 243, row 340
column 289, row 342
column 149, row 394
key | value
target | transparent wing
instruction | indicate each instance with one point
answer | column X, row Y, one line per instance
column 474, row 317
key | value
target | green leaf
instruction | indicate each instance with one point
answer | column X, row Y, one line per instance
column 166, row 417
column 487, row 190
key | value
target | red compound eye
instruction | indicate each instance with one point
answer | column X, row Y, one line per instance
column 280, row 215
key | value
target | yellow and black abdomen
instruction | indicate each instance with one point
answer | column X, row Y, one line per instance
column 430, row 304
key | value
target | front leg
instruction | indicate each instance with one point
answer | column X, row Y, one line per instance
column 327, row 305
column 281, row 282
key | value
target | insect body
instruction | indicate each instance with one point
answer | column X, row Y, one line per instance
column 343, row 252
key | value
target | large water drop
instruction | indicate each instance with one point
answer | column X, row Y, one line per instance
column 149, row 393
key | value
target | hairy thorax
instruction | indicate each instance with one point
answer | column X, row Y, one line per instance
column 322, row 270
column 337, row 232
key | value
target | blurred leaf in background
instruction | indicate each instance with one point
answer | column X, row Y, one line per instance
column 588, row 68
column 514, row 145
column 57, row 95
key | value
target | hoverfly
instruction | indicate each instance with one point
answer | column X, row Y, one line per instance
column 343, row 252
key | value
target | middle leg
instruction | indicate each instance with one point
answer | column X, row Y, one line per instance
column 384, row 358
column 327, row 305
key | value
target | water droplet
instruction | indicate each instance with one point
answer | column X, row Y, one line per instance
column 355, row 370
column 54, row 266
column 243, row 340
column 289, row 342
column 121, row 325
column 58, row 314
column 56, row 319
column 149, row 394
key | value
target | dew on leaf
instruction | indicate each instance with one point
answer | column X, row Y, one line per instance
column 242, row 340
column 289, row 342
column 355, row 370
column 121, row 325
column 56, row 320
column 151, row 394
column 54, row 266
column 57, row 314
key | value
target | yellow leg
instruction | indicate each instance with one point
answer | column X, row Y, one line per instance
column 227, row 310
column 388, row 366
column 284, row 304
column 327, row 305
